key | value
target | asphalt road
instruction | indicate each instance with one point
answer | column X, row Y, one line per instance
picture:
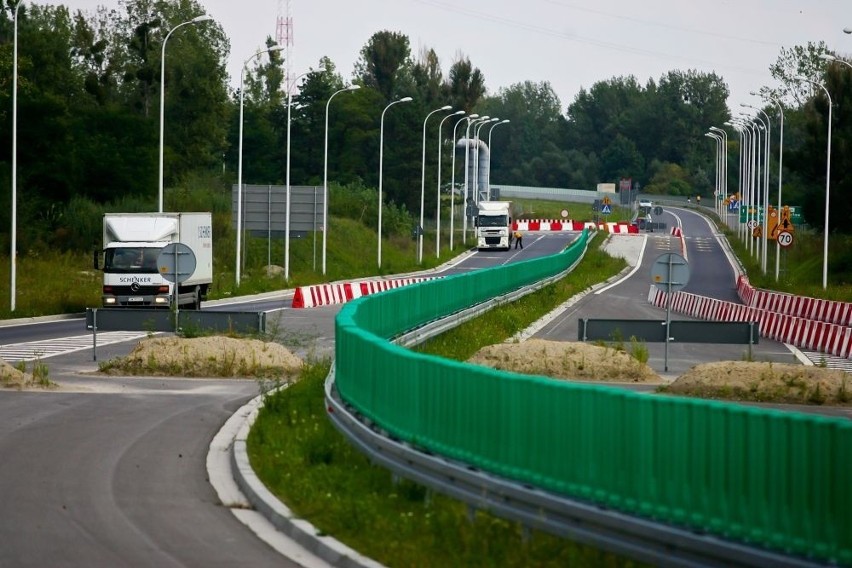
column 711, row 274
column 111, row 471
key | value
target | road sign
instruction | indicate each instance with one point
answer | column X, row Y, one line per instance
column 670, row 272
column 606, row 201
column 752, row 223
column 658, row 210
column 176, row 262
column 785, row 239
column 606, row 209
column 564, row 213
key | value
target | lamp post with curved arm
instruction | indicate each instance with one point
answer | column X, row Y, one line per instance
column 477, row 185
column 767, row 147
column 195, row 20
column 325, row 176
column 381, row 160
column 466, row 120
column 736, row 125
column 827, row 181
column 423, row 185
column 780, row 174
column 490, row 130
column 438, row 206
column 723, row 186
column 718, row 145
column 287, row 175
column 240, row 158
column 467, row 174
column 14, row 231
column 832, row 58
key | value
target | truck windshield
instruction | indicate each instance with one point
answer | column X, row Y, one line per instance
column 493, row 221
column 131, row 259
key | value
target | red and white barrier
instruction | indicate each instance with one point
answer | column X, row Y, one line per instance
column 328, row 294
column 829, row 311
column 831, row 338
column 536, row 225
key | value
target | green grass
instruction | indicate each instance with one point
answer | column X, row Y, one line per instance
column 303, row 460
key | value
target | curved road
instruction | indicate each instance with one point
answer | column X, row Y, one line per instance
column 108, row 471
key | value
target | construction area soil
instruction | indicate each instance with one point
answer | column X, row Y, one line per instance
column 219, row 356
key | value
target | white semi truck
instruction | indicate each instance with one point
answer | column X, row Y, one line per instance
column 493, row 224
column 132, row 246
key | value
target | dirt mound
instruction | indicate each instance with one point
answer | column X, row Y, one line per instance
column 10, row 377
column 566, row 360
column 764, row 382
column 214, row 356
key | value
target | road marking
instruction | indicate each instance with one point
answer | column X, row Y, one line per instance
column 45, row 348
column 828, row 361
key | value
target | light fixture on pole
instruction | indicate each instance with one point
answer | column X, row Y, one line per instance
column 847, row 30
column 14, row 232
column 827, row 180
column 240, row 157
column 381, row 160
column 438, row 206
column 723, row 187
column 466, row 120
column 467, row 150
column 718, row 144
column 476, row 170
column 780, row 174
column 325, row 176
column 423, row 185
column 767, row 146
column 287, row 174
column 195, row 20
column 493, row 126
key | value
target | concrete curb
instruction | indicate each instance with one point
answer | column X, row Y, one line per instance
column 240, row 489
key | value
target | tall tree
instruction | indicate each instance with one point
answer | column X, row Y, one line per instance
column 384, row 62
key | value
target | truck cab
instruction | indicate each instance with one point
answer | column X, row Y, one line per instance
column 493, row 225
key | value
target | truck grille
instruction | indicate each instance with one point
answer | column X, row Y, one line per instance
column 492, row 240
column 135, row 290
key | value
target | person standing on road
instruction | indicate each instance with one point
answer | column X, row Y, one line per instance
column 519, row 239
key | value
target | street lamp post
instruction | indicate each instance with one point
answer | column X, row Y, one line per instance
column 741, row 162
column 718, row 145
column 723, row 187
column 453, row 178
column 14, row 231
column 493, row 126
column 423, row 185
column 240, row 158
column 780, row 173
column 767, row 147
column 325, row 176
column 381, row 160
column 829, row 57
column 287, row 175
column 195, row 20
column 467, row 173
column 476, row 171
column 827, row 181
column 438, row 206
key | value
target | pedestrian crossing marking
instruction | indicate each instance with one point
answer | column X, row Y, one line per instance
column 45, row 348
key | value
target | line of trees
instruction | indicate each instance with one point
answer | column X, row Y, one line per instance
column 88, row 119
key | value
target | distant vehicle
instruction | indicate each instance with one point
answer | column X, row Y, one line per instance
column 132, row 246
column 646, row 203
column 493, row 224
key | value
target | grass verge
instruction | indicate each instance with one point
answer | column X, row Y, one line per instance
column 303, row 460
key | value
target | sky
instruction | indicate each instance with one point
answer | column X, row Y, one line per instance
column 571, row 44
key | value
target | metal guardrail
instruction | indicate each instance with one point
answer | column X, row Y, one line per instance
column 587, row 523
column 639, row 538
column 165, row 320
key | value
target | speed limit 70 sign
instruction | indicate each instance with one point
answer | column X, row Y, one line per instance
column 785, row 239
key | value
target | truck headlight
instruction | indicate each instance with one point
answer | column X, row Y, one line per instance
column 109, row 300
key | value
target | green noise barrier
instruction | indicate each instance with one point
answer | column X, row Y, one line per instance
column 780, row 480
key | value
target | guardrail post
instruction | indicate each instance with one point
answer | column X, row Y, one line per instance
column 94, row 334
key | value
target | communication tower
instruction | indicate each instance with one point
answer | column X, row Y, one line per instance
column 284, row 36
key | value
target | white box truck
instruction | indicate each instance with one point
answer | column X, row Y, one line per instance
column 493, row 224
column 132, row 245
